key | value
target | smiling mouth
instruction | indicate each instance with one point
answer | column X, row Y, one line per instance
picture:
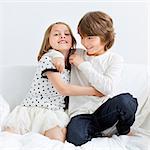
column 89, row 48
column 62, row 42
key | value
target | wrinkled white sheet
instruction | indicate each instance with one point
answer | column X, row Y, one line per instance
column 34, row 141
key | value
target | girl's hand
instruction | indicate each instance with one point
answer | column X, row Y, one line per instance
column 75, row 59
column 97, row 93
column 59, row 63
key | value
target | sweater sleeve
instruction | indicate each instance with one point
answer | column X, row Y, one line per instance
column 107, row 81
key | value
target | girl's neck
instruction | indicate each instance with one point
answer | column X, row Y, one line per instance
column 65, row 53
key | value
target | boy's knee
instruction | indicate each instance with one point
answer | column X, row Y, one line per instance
column 73, row 133
column 128, row 102
column 77, row 131
column 75, row 136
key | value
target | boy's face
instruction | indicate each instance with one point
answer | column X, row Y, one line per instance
column 93, row 45
column 60, row 37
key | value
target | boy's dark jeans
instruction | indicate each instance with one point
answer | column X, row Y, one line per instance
column 121, row 109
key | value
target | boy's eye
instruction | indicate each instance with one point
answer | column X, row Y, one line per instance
column 90, row 37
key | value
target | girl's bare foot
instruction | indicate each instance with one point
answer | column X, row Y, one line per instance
column 56, row 133
column 8, row 129
column 130, row 134
column 64, row 130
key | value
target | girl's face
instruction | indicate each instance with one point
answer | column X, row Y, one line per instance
column 60, row 38
column 93, row 45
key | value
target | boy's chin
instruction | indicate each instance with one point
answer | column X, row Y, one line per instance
column 92, row 54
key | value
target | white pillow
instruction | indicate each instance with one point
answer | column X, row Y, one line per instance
column 4, row 110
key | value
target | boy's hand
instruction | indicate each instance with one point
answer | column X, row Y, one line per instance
column 75, row 59
column 59, row 63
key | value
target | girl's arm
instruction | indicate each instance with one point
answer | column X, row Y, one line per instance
column 68, row 89
column 58, row 62
column 57, row 58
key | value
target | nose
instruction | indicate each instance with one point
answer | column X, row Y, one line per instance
column 62, row 36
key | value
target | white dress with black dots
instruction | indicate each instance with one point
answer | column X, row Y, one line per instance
column 43, row 107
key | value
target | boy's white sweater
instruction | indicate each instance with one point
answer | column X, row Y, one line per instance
column 103, row 72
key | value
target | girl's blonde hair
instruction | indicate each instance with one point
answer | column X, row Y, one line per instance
column 100, row 24
column 46, row 45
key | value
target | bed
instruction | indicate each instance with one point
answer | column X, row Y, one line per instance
column 15, row 82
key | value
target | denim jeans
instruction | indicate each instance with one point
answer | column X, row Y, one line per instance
column 120, row 109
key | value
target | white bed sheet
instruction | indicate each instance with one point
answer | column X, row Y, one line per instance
column 35, row 141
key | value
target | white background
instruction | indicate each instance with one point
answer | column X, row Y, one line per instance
column 23, row 24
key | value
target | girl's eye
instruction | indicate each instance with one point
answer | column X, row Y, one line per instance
column 59, row 34
column 67, row 34
column 56, row 34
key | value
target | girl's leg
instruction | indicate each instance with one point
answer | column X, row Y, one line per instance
column 120, row 109
column 56, row 133
column 64, row 131
column 8, row 129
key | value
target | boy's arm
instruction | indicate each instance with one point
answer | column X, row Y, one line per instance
column 105, row 82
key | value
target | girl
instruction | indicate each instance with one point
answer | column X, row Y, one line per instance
column 42, row 110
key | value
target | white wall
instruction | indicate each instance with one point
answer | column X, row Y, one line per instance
column 22, row 27
column 149, row 39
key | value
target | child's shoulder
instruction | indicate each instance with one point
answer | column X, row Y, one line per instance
column 80, row 50
column 54, row 53
column 115, row 57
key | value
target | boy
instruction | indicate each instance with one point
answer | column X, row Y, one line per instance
column 106, row 115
